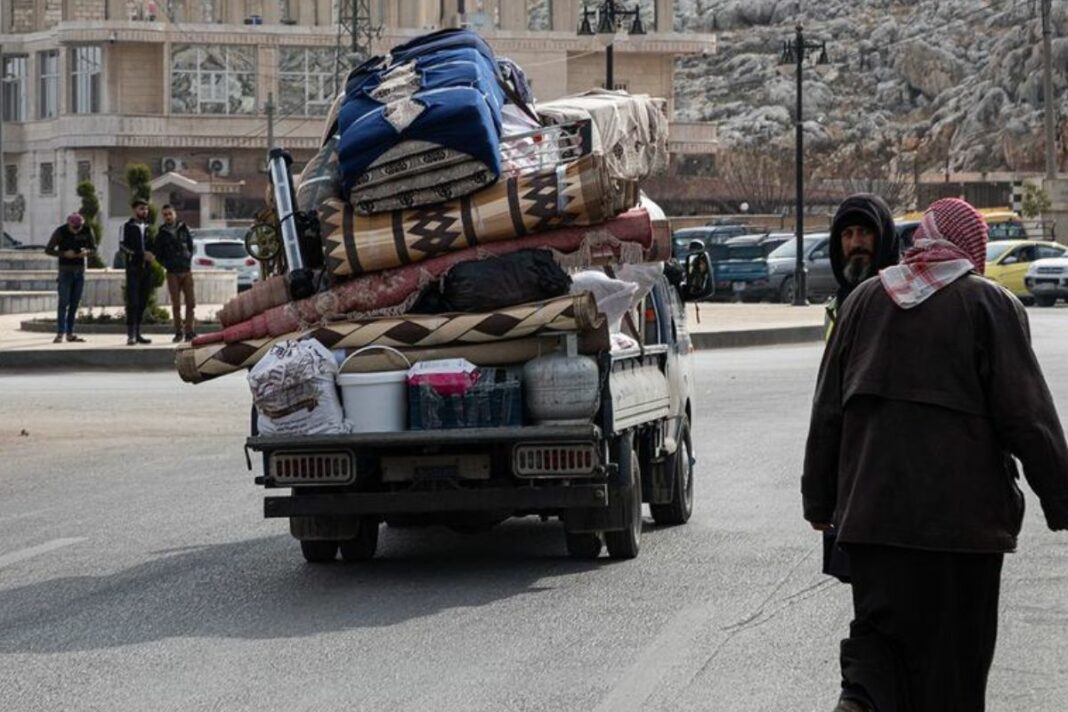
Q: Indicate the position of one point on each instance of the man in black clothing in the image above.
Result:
(174, 245)
(71, 242)
(137, 245)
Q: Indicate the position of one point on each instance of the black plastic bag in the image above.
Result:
(494, 283)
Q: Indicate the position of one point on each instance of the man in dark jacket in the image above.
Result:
(927, 390)
(136, 244)
(71, 242)
(174, 248)
(863, 241)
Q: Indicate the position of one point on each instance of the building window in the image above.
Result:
(213, 79)
(85, 67)
(14, 93)
(48, 179)
(85, 171)
(11, 179)
(539, 15)
(48, 84)
(306, 80)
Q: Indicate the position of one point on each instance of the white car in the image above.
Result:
(1047, 279)
(229, 253)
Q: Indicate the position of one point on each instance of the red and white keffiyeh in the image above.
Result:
(949, 243)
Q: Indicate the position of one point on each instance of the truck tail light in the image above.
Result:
(556, 460)
(205, 262)
(249, 262)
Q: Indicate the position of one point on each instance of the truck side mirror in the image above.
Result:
(699, 281)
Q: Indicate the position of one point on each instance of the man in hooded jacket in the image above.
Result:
(863, 241)
(928, 389)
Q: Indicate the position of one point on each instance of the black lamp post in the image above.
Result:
(794, 52)
(610, 18)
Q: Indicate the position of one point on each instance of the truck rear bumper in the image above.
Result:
(532, 499)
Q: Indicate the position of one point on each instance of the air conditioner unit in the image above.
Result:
(169, 164)
(219, 166)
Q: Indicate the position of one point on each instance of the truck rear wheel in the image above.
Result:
(318, 551)
(364, 546)
(625, 543)
(583, 545)
(679, 509)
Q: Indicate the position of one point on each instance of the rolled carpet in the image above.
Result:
(569, 314)
(573, 194)
(630, 238)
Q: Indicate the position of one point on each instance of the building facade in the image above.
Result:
(186, 87)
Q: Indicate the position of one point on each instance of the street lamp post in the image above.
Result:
(794, 52)
(610, 18)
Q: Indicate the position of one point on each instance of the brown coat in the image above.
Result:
(915, 416)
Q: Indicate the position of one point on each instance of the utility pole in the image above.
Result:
(1049, 100)
(270, 120)
(354, 24)
(3, 166)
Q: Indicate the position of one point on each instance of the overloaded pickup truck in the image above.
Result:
(593, 475)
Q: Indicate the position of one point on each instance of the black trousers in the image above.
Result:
(924, 629)
(138, 287)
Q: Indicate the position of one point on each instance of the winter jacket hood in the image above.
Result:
(866, 209)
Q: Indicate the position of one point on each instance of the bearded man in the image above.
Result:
(927, 391)
(863, 241)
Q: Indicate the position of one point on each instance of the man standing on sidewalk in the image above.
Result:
(174, 246)
(137, 247)
(863, 241)
(71, 242)
(927, 391)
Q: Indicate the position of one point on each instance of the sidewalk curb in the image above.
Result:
(756, 337)
(127, 358)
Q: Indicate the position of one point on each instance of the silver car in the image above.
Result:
(820, 281)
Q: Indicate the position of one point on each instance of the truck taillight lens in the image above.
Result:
(557, 460)
(205, 262)
(250, 262)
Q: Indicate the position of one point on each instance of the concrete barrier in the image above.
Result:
(103, 287)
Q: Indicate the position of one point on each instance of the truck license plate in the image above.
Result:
(738, 286)
(435, 467)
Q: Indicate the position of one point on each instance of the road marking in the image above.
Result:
(17, 556)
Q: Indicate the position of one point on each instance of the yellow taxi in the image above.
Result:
(1007, 262)
(1003, 223)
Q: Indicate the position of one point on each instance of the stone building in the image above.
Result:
(90, 86)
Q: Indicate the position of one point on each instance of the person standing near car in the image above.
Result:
(863, 241)
(136, 245)
(928, 389)
(71, 242)
(174, 246)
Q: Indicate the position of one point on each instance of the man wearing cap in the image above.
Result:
(927, 391)
(136, 245)
(863, 241)
(71, 242)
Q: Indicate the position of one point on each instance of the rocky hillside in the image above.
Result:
(951, 84)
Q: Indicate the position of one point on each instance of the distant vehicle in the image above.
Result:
(1047, 280)
(709, 235)
(1008, 262)
(819, 281)
(740, 271)
(212, 251)
(767, 241)
(1004, 224)
(905, 230)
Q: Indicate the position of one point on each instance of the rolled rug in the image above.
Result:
(569, 314)
(628, 239)
(260, 297)
(573, 194)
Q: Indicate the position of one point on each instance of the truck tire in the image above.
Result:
(364, 546)
(679, 509)
(625, 543)
(1045, 301)
(583, 545)
(318, 551)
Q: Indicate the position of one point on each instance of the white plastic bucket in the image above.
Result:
(375, 402)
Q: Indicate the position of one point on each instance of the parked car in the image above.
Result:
(220, 252)
(9, 243)
(709, 235)
(1004, 224)
(767, 241)
(905, 230)
(819, 281)
(740, 271)
(1008, 261)
(1047, 280)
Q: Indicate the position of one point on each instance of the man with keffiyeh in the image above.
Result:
(927, 391)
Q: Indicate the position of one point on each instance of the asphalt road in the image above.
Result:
(136, 573)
